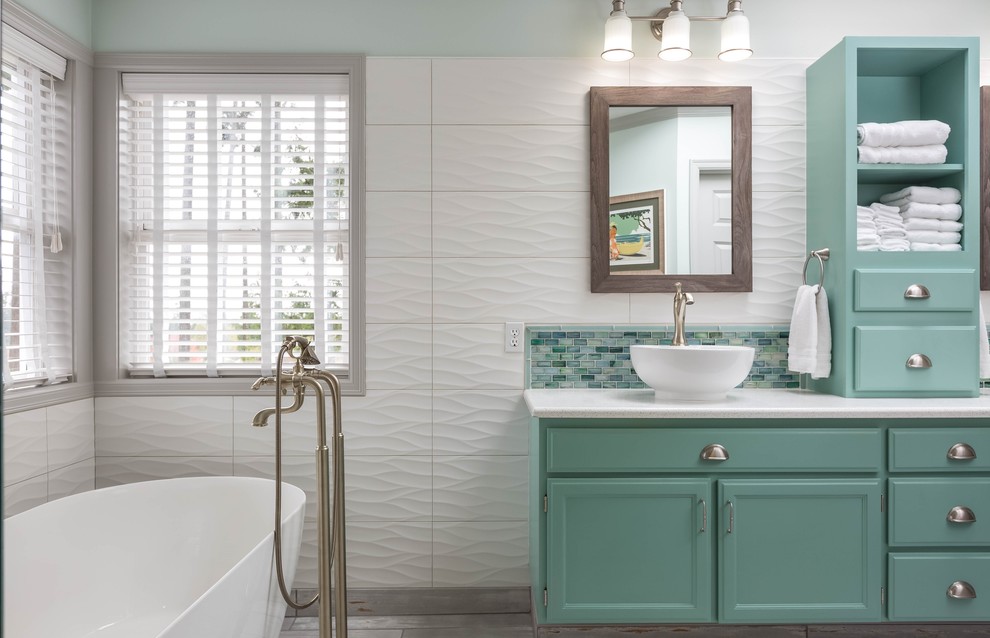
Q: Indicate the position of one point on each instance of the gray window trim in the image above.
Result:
(110, 378)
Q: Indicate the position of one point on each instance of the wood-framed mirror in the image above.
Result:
(671, 188)
(985, 188)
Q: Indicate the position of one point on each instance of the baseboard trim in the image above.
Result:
(875, 630)
(406, 601)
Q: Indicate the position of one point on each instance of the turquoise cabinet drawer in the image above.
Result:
(939, 450)
(589, 450)
(914, 290)
(920, 585)
(949, 363)
(943, 511)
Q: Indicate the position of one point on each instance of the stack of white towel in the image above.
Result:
(880, 227)
(905, 142)
(930, 216)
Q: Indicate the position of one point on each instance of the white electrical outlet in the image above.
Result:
(514, 336)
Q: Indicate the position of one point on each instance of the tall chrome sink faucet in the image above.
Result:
(681, 301)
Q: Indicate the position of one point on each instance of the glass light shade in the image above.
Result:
(675, 44)
(735, 37)
(618, 38)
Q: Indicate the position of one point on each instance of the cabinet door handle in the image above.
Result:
(714, 452)
(918, 361)
(961, 589)
(961, 452)
(960, 514)
(704, 516)
(917, 291)
(732, 516)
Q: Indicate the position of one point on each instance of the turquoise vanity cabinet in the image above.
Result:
(903, 323)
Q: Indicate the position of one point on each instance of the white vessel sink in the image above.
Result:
(692, 373)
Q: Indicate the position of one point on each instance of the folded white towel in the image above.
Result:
(884, 209)
(923, 195)
(950, 212)
(809, 346)
(932, 154)
(933, 237)
(984, 346)
(927, 223)
(917, 245)
(894, 232)
(889, 245)
(903, 133)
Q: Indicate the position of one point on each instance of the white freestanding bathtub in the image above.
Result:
(177, 558)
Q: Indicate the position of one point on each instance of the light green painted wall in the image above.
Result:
(500, 28)
(72, 17)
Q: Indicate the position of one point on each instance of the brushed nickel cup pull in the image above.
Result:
(961, 590)
(918, 361)
(961, 452)
(714, 452)
(960, 514)
(917, 291)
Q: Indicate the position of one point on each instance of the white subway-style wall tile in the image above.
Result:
(511, 224)
(388, 488)
(398, 90)
(534, 290)
(399, 356)
(778, 224)
(483, 422)
(779, 158)
(489, 554)
(510, 158)
(164, 426)
(22, 496)
(119, 470)
(25, 446)
(398, 290)
(398, 158)
(518, 91)
(472, 356)
(389, 554)
(73, 479)
(71, 433)
(480, 488)
(398, 224)
(388, 423)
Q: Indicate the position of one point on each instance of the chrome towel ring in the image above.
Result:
(822, 255)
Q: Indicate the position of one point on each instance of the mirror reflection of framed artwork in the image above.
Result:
(636, 232)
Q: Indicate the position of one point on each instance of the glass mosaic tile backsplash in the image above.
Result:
(598, 356)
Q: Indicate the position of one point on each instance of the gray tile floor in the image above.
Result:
(439, 626)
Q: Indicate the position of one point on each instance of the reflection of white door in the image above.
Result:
(711, 217)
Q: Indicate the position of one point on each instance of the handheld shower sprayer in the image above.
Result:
(307, 357)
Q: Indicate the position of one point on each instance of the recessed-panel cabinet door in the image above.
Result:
(629, 550)
(800, 550)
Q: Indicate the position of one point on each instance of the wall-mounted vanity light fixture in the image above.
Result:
(672, 27)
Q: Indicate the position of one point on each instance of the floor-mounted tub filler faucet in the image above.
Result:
(681, 301)
(329, 493)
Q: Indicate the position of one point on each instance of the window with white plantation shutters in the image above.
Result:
(235, 206)
(35, 220)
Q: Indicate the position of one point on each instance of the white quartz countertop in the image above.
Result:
(744, 403)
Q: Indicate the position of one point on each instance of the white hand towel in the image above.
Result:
(923, 195)
(984, 346)
(802, 342)
(884, 209)
(891, 245)
(917, 245)
(924, 223)
(932, 154)
(933, 237)
(903, 133)
(951, 212)
(823, 353)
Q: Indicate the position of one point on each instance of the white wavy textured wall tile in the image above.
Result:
(518, 91)
(778, 224)
(390, 554)
(398, 224)
(70, 433)
(22, 496)
(119, 470)
(164, 426)
(73, 479)
(398, 290)
(527, 225)
(510, 158)
(480, 488)
(397, 158)
(398, 91)
(779, 158)
(493, 554)
(388, 423)
(480, 422)
(25, 446)
(399, 356)
(388, 488)
(472, 356)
